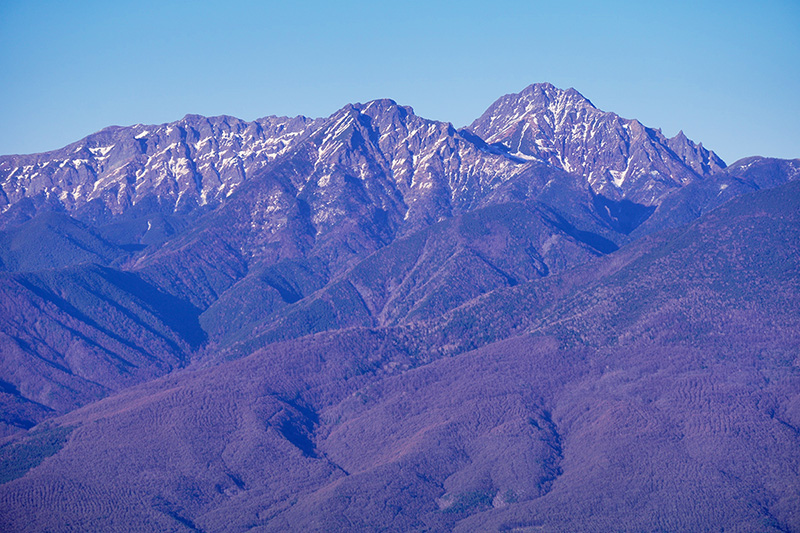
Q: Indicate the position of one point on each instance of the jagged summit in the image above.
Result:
(548, 94)
(620, 158)
(382, 105)
(200, 161)
(534, 100)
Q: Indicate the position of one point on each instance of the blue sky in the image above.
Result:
(727, 73)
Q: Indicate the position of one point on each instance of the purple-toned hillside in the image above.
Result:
(553, 320)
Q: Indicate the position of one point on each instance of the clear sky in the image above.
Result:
(726, 72)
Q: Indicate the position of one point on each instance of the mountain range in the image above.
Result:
(552, 319)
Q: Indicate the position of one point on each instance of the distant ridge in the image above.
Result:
(198, 161)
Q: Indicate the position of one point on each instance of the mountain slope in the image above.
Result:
(647, 399)
(415, 278)
(293, 247)
(54, 240)
(72, 336)
(744, 176)
(178, 166)
(283, 245)
(369, 174)
(320, 195)
(619, 158)
(557, 319)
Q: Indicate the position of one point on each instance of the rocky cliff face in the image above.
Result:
(619, 158)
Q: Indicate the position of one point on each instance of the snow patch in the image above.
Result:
(102, 151)
(201, 142)
(618, 177)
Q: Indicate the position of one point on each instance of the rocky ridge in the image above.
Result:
(198, 162)
(619, 158)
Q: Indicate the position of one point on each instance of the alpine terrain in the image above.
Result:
(553, 319)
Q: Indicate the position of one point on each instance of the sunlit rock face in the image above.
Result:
(619, 158)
